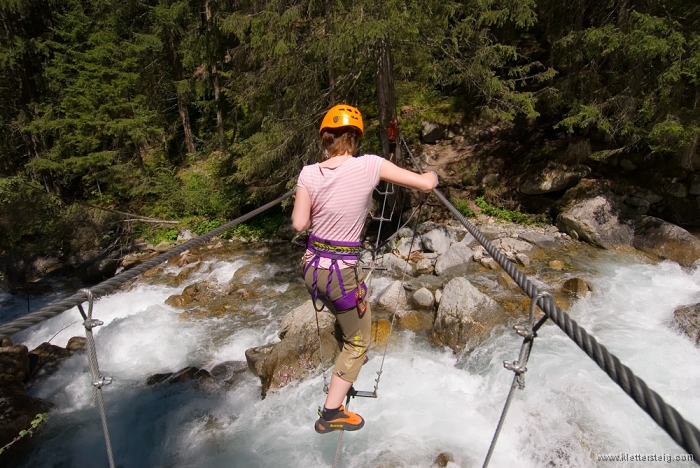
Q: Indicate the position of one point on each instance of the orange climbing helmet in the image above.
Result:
(342, 115)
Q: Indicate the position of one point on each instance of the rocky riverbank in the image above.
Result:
(438, 280)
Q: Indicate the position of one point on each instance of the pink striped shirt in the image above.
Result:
(340, 198)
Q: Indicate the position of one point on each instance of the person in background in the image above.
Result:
(334, 197)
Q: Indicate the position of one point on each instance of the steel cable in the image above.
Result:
(680, 430)
(34, 318)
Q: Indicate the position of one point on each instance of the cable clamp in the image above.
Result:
(89, 324)
(102, 382)
(525, 332)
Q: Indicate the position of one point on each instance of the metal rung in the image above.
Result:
(365, 394)
(379, 218)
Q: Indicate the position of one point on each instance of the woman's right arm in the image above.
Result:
(392, 173)
(301, 215)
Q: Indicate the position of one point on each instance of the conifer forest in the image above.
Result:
(195, 111)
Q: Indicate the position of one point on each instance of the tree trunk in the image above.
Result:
(386, 98)
(181, 99)
(623, 15)
(329, 57)
(215, 84)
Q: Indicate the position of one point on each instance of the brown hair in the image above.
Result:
(339, 141)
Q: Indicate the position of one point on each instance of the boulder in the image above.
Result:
(395, 265)
(465, 317)
(438, 240)
(553, 178)
(303, 318)
(423, 298)
(47, 358)
(576, 287)
(666, 240)
(296, 355)
(688, 319)
(431, 132)
(510, 246)
(406, 246)
(393, 297)
(594, 216)
(457, 255)
(541, 240)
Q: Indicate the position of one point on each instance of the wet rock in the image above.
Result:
(553, 178)
(303, 318)
(505, 281)
(156, 379)
(178, 300)
(666, 240)
(295, 356)
(228, 372)
(522, 259)
(423, 298)
(556, 265)
(465, 317)
(380, 332)
(490, 263)
(456, 256)
(443, 459)
(76, 344)
(47, 358)
(14, 362)
(438, 240)
(688, 319)
(155, 271)
(133, 259)
(414, 320)
(541, 240)
(393, 297)
(576, 287)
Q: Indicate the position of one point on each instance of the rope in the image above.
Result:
(29, 320)
(518, 367)
(670, 420)
(98, 381)
(393, 316)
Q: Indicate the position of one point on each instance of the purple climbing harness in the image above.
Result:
(343, 251)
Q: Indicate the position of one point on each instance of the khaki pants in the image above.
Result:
(356, 331)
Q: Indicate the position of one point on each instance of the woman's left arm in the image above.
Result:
(301, 215)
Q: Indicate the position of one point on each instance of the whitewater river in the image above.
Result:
(430, 401)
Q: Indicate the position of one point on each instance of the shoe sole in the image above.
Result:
(324, 427)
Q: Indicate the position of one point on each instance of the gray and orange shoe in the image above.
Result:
(342, 420)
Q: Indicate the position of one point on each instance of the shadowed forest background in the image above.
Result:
(196, 111)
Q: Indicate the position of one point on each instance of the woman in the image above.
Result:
(335, 196)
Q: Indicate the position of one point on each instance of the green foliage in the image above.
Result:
(463, 207)
(38, 419)
(506, 215)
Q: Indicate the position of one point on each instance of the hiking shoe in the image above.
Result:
(342, 421)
